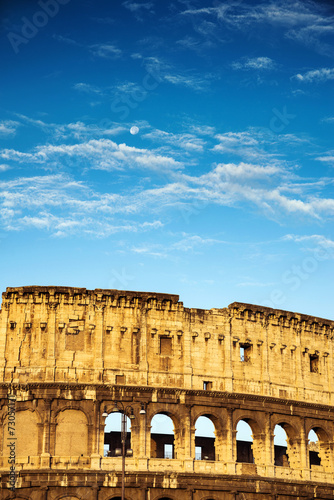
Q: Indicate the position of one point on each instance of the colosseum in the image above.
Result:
(72, 360)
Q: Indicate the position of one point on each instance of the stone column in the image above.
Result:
(304, 459)
(269, 447)
(228, 371)
(98, 342)
(187, 340)
(45, 455)
(230, 447)
(98, 436)
(3, 329)
(143, 364)
(188, 440)
(51, 353)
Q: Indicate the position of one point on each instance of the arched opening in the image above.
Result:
(162, 436)
(244, 442)
(280, 446)
(204, 439)
(113, 435)
(313, 448)
(118, 498)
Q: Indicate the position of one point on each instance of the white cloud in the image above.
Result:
(195, 83)
(8, 128)
(87, 88)
(260, 63)
(316, 75)
(304, 22)
(66, 40)
(326, 159)
(246, 171)
(105, 51)
(102, 154)
(189, 142)
(190, 242)
(136, 7)
(328, 119)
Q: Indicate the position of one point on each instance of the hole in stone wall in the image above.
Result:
(162, 437)
(245, 352)
(314, 363)
(313, 447)
(207, 386)
(204, 439)
(280, 447)
(112, 434)
(244, 442)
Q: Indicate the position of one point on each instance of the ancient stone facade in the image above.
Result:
(67, 354)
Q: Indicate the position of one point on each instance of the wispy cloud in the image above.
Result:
(255, 63)
(165, 72)
(137, 8)
(187, 243)
(304, 22)
(316, 75)
(67, 40)
(43, 202)
(329, 158)
(101, 154)
(328, 119)
(87, 88)
(189, 142)
(77, 130)
(8, 128)
(105, 51)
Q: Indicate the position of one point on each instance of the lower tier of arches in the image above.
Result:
(160, 486)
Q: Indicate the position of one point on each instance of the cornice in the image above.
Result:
(167, 390)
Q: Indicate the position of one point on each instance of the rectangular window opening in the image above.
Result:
(207, 386)
(245, 352)
(314, 363)
(168, 451)
(198, 452)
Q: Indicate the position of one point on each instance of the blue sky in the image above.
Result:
(182, 147)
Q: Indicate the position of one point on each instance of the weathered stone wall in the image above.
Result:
(67, 354)
(75, 335)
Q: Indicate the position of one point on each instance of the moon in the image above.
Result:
(134, 130)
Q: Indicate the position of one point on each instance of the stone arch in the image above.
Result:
(176, 419)
(244, 445)
(66, 497)
(207, 444)
(117, 497)
(169, 497)
(258, 436)
(162, 443)
(164, 410)
(215, 417)
(27, 431)
(71, 433)
(293, 448)
(113, 433)
(71, 406)
(322, 455)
